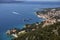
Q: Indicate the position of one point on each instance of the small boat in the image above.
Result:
(15, 12)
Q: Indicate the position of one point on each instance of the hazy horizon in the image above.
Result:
(30, 0)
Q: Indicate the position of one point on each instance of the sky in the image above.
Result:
(29, 0)
(37, 0)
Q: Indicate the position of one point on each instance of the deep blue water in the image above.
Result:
(10, 20)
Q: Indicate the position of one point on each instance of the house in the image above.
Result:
(21, 32)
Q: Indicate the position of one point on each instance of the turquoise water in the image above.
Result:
(10, 20)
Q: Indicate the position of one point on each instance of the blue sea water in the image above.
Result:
(9, 20)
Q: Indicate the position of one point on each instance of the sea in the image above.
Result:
(12, 15)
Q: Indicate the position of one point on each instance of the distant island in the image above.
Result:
(30, 2)
(11, 1)
(48, 29)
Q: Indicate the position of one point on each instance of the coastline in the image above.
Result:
(45, 14)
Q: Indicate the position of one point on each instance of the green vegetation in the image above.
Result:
(50, 32)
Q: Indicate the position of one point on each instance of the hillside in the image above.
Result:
(50, 32)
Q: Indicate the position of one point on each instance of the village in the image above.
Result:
(51, 15)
